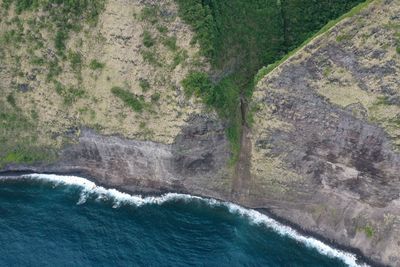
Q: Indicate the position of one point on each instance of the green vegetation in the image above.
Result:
(75, 59)
(162, 29)
(170, 42)
(53, 69)
(65, 15)
(343, 37)
(96, 65)
(26, 155)
(11, 100)
(151, 57)
(148, 40)
(155, 97)
(179, 57)
(62, 18)
(21, 148)
(240, 37)
(150, 14)
(144, 84)
(222, 97)
(134, 102)
(368, 230)
(69, 94)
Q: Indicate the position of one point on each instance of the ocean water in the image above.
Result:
(49, 220)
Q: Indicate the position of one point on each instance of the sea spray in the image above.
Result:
(89, 189)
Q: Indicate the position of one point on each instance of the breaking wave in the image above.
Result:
(90, 190)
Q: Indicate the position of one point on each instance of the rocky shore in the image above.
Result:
(198, 164)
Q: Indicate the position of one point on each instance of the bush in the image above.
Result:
(75, 59)
(151, 57)
(96, 65)
(59, 41)
(155, 97)
(179, 57)
(69, 94)
(54, 70)
(148, 41)
(170, 42)
(150, 14)
(162, 29)
(144, 84)
(197, 83)
(131, 100)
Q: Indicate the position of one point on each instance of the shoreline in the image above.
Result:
(156, 193)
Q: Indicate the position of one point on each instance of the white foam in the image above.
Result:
(100, 193)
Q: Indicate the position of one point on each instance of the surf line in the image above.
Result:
(90, 189)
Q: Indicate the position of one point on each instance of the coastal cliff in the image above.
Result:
(319, 146)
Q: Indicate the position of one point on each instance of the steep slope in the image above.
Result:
(325, 138)
(239, 37)
(103, 98)
(120, 74)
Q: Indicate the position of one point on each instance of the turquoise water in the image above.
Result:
(68, 221)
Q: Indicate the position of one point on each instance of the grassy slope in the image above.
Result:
(59, 69)
(19, 134)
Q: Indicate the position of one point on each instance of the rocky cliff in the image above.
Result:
(321, 153)
(325, 137)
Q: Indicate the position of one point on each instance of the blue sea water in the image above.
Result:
(48, 220)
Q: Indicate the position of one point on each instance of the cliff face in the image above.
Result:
(322, 151)
(326, 133)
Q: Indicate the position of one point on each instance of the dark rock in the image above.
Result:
(23, 87)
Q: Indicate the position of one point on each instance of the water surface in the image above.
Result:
(48, 220)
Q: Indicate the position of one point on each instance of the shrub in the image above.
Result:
(150, 14)
(69, 94)
(162, 29)
(155, 97)
(35, 60)
(369, 231)
(128, 98)
(170, 42)
(197, 83)
(343, 37)
(148, 40)
(59, 41)
(96, 65)
(144, 84)
(75, 59)
(11, 100)
(151, 57)
(179, 57)
(54, 70)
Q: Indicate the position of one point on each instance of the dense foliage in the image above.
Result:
(240, 37)
(128, 98)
